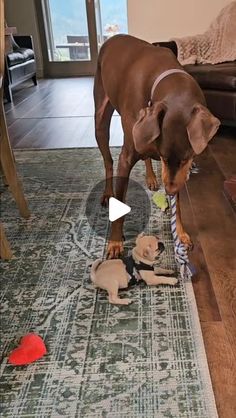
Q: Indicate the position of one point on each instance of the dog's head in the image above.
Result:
(176, 135)
(148, 248)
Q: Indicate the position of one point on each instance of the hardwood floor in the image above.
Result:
(59, 113)
(56, 114)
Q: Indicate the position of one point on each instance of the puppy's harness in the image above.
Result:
(133, 268)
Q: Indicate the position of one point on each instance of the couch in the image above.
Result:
(20, 64)
(218, 83)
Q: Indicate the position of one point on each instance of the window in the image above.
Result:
(67, 26)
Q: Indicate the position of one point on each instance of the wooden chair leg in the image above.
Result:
(5, 250)
(9, 168)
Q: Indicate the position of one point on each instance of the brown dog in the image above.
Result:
(112, 275)
(163, 115)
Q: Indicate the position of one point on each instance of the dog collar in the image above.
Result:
(160, 78)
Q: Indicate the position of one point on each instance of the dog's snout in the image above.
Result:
(161, 247)
(171, 188)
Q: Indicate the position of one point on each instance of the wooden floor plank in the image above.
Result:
(222, 367)
(58, 132)
(19, 107)
(225, 155)
(18, 130)
(206, 300)
(216, 225)
(230, 190)
(55, 133)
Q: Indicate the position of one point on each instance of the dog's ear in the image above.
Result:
(141, 235)
(146, 251)
(201, 128)
(148, 127)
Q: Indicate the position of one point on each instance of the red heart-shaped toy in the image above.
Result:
(31, 348)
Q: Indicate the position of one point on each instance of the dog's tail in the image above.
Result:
(94, 267)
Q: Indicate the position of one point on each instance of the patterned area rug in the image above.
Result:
(142, 360)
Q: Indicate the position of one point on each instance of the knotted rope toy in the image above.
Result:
(181, 254)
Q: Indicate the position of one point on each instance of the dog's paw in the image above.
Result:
(161, 271)
(114, 249)
(105, 199)
(186, 240)
(126, 301)
(172, 281)
(115, 300)
(151, 182)
(170, 272)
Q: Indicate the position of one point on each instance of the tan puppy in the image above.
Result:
(112, 275)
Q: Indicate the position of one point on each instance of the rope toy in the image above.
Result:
(181, 255)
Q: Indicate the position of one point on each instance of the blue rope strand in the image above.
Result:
(181, 255)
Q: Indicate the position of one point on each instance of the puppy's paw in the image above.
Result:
(172, 281)
(170, 272)
(126, 301)
(186, 240)
(114, 249)
(115, 300)
(161, 271)
(151, 182)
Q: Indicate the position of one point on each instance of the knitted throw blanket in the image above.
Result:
(217, 44)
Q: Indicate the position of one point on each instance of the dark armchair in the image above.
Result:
(20, 64)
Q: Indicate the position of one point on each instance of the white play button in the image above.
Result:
(117, 209)
(136, 219)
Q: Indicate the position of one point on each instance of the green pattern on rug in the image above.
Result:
(142, 360)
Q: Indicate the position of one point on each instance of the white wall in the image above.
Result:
(22, 14)
(160, 20)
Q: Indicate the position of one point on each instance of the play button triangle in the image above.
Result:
(117, 209)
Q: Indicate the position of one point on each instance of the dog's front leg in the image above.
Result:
(151, 178)
(164, 272)
(183, 236)
(127, 160)
(152, 280)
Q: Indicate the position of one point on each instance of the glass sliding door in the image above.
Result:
(74, 30)
(68, 35)
(111, 18)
